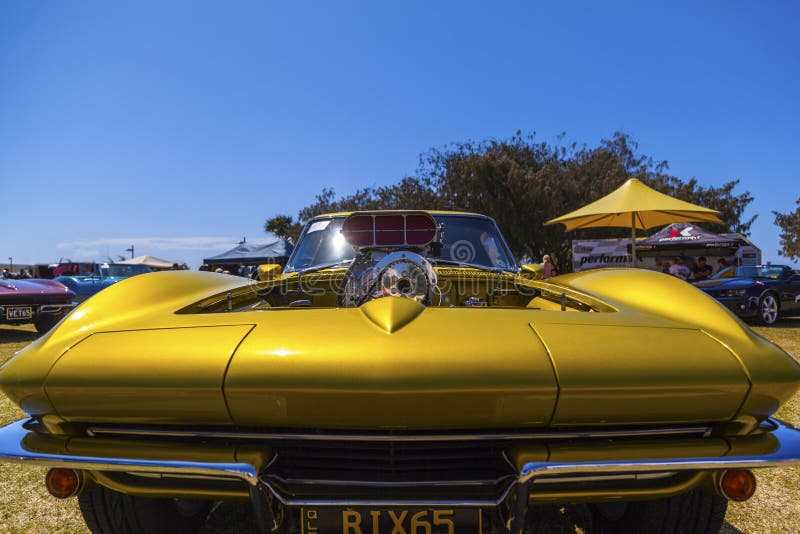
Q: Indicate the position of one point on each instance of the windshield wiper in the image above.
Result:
(463, 265)
(315, 268)
(448, 262)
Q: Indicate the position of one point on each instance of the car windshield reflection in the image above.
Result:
(123, 271)
(467, 240)
(752, 271)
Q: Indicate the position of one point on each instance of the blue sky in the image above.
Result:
(180, 128)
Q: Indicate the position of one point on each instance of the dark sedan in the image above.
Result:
(41, 302)
(760, 292)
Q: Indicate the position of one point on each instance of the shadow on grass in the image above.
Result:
(230, 517)
(9, 335)
(787, 322)
(727, 528)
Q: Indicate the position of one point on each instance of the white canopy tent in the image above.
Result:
(150, 261)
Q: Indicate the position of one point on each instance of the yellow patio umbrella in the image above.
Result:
(636, 206)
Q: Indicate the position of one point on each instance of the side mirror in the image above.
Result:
(532, 271)
(269, 271)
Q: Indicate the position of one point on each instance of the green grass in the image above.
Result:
(25, 506)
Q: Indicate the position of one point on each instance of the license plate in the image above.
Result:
(19, 312)
(366, 520)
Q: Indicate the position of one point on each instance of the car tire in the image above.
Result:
(46, 323)
(106, 511)
(769, 307)
(693, 512)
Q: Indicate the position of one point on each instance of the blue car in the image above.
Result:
(106, 275)
(758, 292)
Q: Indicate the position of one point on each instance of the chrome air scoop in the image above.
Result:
(389, 260)
(396, 274)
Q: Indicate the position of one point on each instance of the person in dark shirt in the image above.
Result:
(702, 270)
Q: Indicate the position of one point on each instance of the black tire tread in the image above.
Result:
(693, 512)
(109, 512)
(719, 506)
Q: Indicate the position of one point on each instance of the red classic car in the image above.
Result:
(41, 302)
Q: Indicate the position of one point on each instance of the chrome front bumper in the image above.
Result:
(776, 444)
(19, 445)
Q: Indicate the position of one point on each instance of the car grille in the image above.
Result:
(391, 461)
(440, 471)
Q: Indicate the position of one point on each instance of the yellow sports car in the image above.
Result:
(402, 374)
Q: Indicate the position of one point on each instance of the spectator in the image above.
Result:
(721, 264)
(702, 270)
(25, 274)
(679, 269)
(665, 267)
(548, 267)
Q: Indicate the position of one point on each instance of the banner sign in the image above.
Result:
(597, 253)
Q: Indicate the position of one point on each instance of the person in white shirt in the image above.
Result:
(679, 269)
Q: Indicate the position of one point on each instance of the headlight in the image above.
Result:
(734, 293)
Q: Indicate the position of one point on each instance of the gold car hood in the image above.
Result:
(392, 363)
(502, 368)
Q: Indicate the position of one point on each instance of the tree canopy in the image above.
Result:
(522, 183)
(789, 223)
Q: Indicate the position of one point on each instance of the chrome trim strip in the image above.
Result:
(55, 308)
(554, 435)
(604, 478)
(13, 450)
(786, 452)
(290, 501)
(373, 484)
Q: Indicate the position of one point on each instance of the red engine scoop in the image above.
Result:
(392, 229)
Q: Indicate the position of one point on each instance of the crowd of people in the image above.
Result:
(246, 271)
(23, 273)
(702, 270)
(679, 267)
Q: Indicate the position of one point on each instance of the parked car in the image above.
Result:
(105, 275)
(66, 268)
(401, 373)
(41, 302)
(759, 292)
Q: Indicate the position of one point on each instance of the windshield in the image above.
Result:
(123, 270)
(751, 271)
(467, 240)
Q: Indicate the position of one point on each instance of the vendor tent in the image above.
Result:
(636, 206)
(150, 261)
(688, 238)
(277, 251)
